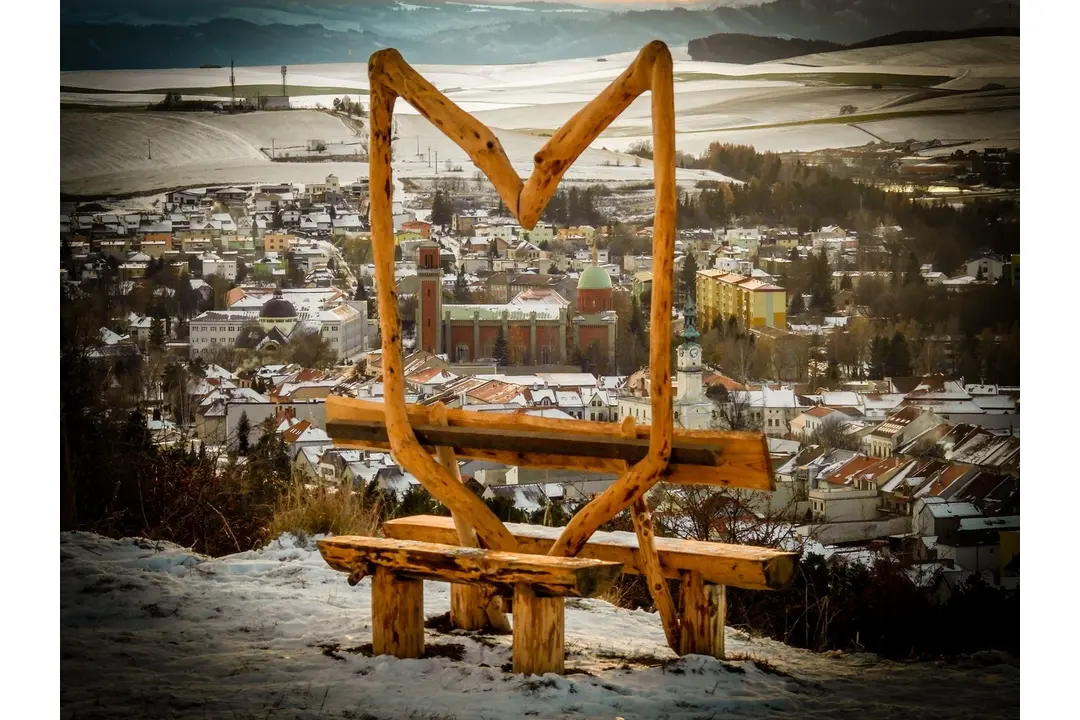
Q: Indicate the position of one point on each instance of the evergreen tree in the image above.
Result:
(157, 334)
(243, 433)
(913, 271)
(688, 279)
(441, 211)
(637, 320)
(879, 358)
(397, 253)
(797, 306)
(502, 350)
(821, 291)
(461, 287)
(361, 291)
(899, 357)
(845, 282)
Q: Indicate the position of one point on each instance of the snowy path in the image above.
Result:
(152, 630)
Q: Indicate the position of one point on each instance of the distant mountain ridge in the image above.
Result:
(132, 34)
(743, 49)
(749, 49)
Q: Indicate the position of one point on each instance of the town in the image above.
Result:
(224, 317)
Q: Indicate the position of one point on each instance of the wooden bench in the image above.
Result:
(703, 569)
(428, 440)
(539, 584)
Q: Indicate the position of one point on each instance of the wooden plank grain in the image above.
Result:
(569, 577)
(742, 458)
(742, 566)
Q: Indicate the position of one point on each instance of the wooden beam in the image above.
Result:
(742, 566)
(557, 576)
(524, 441)
(539, 632)
(702, 611)
(385, 88)
(656, 65)
(471, 607)
(388, 68)
(743, 456)
(397, 615)
(649, 561)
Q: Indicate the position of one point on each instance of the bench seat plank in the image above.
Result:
(743, 566)
(557, 576)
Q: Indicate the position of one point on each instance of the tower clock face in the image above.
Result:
(695, 354)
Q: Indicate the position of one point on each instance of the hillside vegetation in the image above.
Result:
(743, 49)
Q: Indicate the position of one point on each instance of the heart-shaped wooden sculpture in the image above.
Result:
(390, 78)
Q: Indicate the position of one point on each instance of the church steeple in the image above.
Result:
(689, 332)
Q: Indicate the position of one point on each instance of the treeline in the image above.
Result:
(789, 193)
(576, 206)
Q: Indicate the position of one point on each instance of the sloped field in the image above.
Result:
(923, 91)
(105, 153)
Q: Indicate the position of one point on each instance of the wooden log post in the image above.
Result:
(472, 607)
(653, 64)
(388, 77)
(703, 608)
(539, 632)
(397, 615)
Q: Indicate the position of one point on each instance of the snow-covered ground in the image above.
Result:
(715, 102)
(107, 152)
(153, 630)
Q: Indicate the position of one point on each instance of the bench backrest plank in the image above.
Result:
(719, 458)
(559, 576)
(742, 566)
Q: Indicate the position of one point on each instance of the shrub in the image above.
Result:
(321, 509)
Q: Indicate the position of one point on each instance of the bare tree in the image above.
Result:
(834, 434)
(733, 410)
(727, 515)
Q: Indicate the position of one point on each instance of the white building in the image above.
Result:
(215, 265)
(987, 267)
(748, 238)
(271, 316)
(218, 329)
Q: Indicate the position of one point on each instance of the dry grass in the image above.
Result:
(322, 509)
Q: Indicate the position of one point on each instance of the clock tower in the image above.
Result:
(693, 409)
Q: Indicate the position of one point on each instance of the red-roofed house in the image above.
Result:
(808, 422)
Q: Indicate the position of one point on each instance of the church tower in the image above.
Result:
(429, 298)
(693, 410)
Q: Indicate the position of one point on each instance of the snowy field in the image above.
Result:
(781, 106)
(106, 153)
(152, 630)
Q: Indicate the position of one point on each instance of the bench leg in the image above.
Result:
(397, 615)
(539, 645)
(467, 611)
(703, 609)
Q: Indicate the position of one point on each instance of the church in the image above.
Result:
(540, 326)
(693, 409)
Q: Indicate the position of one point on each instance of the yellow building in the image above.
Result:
(406, 235)
(753, 302)
(642, 283)
(278, 242)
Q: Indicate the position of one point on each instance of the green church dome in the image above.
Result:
(594, 278)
